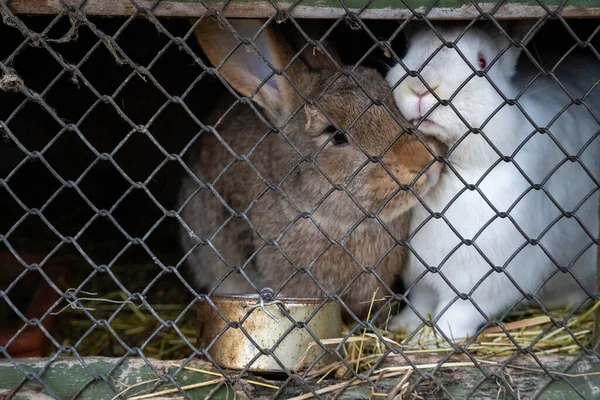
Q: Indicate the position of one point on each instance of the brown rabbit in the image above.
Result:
(298, 209)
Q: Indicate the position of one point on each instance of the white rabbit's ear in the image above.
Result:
(521, 31)
(250, 68)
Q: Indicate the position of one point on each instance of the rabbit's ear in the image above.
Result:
(251, 68)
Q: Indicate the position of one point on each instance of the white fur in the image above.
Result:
(500, 243)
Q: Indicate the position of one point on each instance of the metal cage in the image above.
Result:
(125, 182)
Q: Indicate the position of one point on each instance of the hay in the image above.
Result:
(531, 329)
(134, 324)
(131, 327)
(535, 332)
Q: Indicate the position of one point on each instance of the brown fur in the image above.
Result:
(276, 245)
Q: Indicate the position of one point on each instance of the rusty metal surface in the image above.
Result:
(233, 347)
(264, 9)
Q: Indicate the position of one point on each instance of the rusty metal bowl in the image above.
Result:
(266, 322)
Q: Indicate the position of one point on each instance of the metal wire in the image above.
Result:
(110, 45)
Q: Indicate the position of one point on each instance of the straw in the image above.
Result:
(175, 390)
(257, 383)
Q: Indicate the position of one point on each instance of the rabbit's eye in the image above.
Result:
(481, 61)
(339, 139)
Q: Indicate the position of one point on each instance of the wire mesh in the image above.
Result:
(303, 180)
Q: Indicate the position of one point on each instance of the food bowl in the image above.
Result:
(231, 334)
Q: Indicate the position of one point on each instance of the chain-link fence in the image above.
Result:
(408, 207)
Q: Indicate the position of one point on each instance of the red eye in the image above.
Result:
(481, 61)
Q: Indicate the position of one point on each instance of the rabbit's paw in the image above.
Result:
(405, 321)
(461, 321)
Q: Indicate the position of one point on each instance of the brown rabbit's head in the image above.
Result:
(341, 150)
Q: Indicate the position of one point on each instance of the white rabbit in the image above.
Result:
(487, 207)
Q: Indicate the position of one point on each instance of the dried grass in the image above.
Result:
(526, 329)
(130, 321)
(530, 329)
(134, 324)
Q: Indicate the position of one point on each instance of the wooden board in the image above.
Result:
(376, 9)
(67, 377)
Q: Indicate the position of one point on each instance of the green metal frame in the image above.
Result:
(69, 379)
